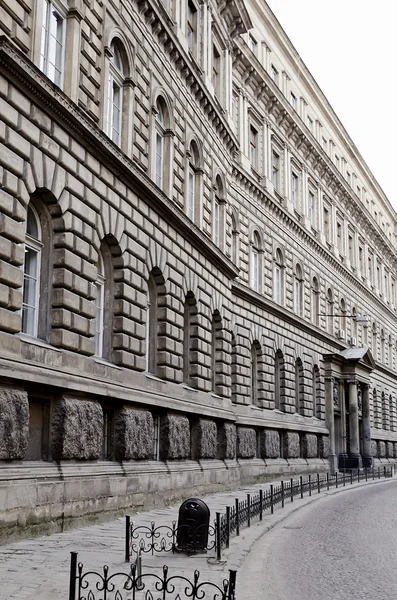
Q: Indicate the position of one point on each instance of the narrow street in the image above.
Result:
(341, 547)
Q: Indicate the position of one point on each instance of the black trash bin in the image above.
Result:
(193, 526)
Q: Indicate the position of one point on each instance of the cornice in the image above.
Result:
(296, 132)
(157, 19)
(274, 205)
(30, 80)
(256, 299)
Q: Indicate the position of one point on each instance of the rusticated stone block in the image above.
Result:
(270, 444)
(323, 446)
(227, 437)
(309, 445)
(246, 442)
(133, 434)
(381, 449)
(291, 444)
(204, 439)
(389, 450)
(374, 448)
(14, 423)
(76, 429)
(174, 437)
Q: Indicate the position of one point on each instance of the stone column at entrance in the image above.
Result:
(329, 418)
(367, 454)
(354, 461)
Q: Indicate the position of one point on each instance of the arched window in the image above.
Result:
(255, 358)
(382, 345)
(375, 411)
(354, 323)
(299, 386)
(193, 203)
(189, 337)
(298, 290)
(385, 420)
(256, 262)
(160, 133)
(342, 307)
(374, 347)
(392, 414)
(279, 380)
(117, 77)
(279, 277)
(218, 219)
(315, 303)
(390, 352)
(100, 306)
(235, 240)
(330, 312)
(31, 273)
(316, 392)
(216, 353)
(234, 368)
(156, 299)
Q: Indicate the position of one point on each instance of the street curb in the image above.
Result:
(236, 559)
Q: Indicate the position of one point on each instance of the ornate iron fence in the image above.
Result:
(132, 585)
(166, 538)
(244, 511)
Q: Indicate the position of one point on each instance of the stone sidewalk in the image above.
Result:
(38, 569)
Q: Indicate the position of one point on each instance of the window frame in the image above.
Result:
(36, 246)
(61, 11)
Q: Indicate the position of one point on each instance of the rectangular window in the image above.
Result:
(310, 123)
(327, 229)
(191, 26)
(274, 74)
(337, 162)
(361, 259)
(108, 434)
(116, 113)
(216, 61)
(253, 147)
(393, 289)
(348, 177)
(275, 170)
(253, 45)
(52, 43)
(325, 144)
(386, 286)
(351, 250)
(311, 208)
(370, 273)
(100, 310)
(339, 238)
(292, 100)
(277, 282)
(294, 189)
(378, 282)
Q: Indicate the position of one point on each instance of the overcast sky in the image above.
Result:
(350, 48)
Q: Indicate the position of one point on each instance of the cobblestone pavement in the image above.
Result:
(341, 547)
(38, 568)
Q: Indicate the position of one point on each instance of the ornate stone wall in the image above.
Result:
(14, 423)
(270, 444)
(204, 439)
(246, 442)
(76, 429)
(134, 434)
(291, 444)
(309, 445)
(381, 449)
(174, 437)
(227, 439)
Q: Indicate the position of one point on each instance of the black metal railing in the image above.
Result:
(133, 585)
(243, 512)
(166, 538)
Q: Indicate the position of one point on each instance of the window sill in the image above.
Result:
(152, 376)
(106, 363)
(37, 342)
(189, 388)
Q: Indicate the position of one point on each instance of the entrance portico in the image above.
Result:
(347, 380)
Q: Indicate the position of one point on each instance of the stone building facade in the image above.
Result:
(197, 268)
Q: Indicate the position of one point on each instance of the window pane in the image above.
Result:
(116, 113)
(191, 195)
(159, 160)
(30, 289)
